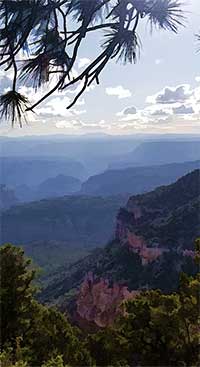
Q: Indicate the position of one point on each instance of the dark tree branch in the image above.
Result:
(57, 52)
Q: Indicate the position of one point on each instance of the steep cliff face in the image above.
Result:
(164, 219)
(154, 242)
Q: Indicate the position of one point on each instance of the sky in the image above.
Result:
(158, 94)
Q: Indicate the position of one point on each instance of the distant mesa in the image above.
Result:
(58, 186)
(29, 171)
(160, 152)
(136, 180)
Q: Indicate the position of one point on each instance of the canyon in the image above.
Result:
(153, 242)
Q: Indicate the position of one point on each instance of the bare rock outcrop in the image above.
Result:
(99, 302)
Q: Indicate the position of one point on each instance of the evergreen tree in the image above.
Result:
(30, 332)
(16, 294)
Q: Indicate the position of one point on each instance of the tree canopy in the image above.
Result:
(29, 330)
(40, 40)
(154, 329)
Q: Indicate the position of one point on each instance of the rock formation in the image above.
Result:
(100, 302)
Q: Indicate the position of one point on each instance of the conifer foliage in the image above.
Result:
(41, 39)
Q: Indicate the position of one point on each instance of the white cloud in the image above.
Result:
(56, 106)
(171, 115)
(74, 124)
(139, 116)
(180, 100)
(78, 112)
(80, 102)
(173, 109)
(197, 79)
(75, 89)
(83, 62)
(158, 61)
(159, 113)
(118, 91)
(130, 110)
(183, 110)
(6, 74)
(5, 80)
(170, 95)
(102, 123)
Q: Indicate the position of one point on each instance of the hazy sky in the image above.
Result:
(161, 93)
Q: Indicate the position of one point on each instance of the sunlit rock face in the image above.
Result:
(138, 245)
(99, 302)
(126, 222)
